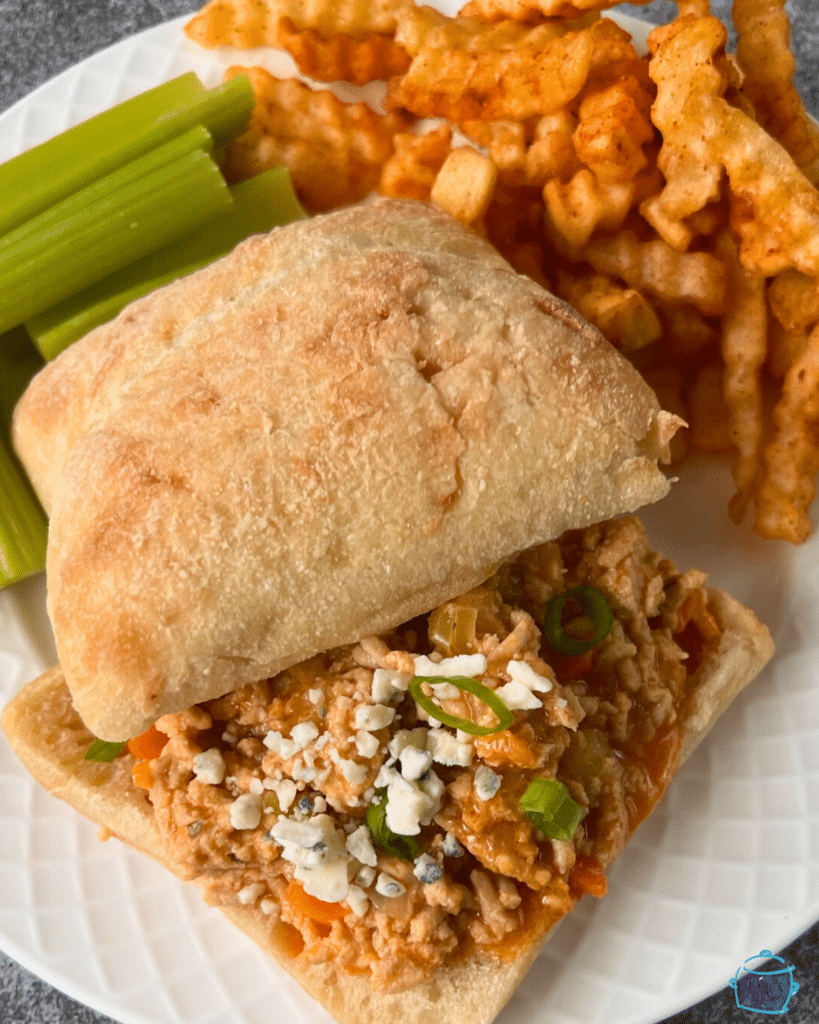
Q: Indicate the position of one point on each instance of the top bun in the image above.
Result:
(336, 427)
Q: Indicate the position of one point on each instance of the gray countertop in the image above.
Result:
(40, 38)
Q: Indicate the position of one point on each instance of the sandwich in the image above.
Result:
(342, 563)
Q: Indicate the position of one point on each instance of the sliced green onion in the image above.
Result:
(594, 605)
(23, 525)
(259, 204)
(404, 847)
(483, 693)
(42, 176)
(102, 750)
(547, 804)
(92, 243)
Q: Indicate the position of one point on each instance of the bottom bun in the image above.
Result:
(51, 741)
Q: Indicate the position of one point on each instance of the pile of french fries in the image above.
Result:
(669, 197)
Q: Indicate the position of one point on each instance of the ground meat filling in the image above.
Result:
(273, 793)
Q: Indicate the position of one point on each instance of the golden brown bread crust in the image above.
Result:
(333, 429)
(50, 740)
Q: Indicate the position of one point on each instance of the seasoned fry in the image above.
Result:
(530, 153)
(334, 151)
(622, 315)
(791, 457)
(584, 204)
(464, 70)
(613, 127)
(534, 10)
(411, 171)
(685, 72)
(249, 23)
(744, 346)
(708, 412)
(776, 210)
(686, 334)
(763, 53)
(465, 184)
(343, 57)
(794, 300)
(659, 270)
(784, 348)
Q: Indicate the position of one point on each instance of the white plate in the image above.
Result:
(727, 865)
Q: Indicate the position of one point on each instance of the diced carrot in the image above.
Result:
(148, 745)
(570, 668)
(142, 774)
(287, 939)
(310, 906)
(587, 877)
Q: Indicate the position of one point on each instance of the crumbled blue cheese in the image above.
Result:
(406, 738)
(388, 684)
(445, 748)
(357, 900)
(445, 691)
(451, 847)
(427, 869)
(470, 665)
(522, 672)
(286, 793)
(318, 852)
(366, 744)
(388, 886)
(314, 696)
(434, 789)
(359, 845)
(353, 772)
(246, 811)
(486, 782)
(518, 697)
(365, 877)
(279, 745)
(256, 786)
(414, 762)
(303, 734)
(209, 767)
(371, 717)
(250, 893)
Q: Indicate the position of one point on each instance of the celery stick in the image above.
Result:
(43, 175)
(19, 361)
(110, 233)
(259, 204)
(23, 525)
(40, 226)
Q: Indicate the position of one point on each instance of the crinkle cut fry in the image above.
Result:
(683, 68)
(791, 457)
(764, 54)
(342, 57)
(534, 10)
(412, 169)
(334, 151)
(658, 270)
(744, 347)
(541, 75)
(248, 23)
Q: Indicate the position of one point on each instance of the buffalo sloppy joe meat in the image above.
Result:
(264, 794)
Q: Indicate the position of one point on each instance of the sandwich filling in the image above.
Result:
(374, 804)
